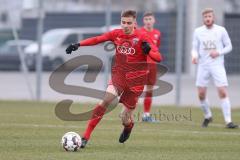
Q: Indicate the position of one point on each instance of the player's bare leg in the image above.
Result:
(147, 104)
(226, 107)
(128, 123)
(202, 93)
(98, 113)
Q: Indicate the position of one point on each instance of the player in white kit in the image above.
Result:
(210, 43)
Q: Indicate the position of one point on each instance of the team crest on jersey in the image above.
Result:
(135, 41)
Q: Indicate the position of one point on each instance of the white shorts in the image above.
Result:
(216, 72)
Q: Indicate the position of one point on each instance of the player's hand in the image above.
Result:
(214, 54)
(72, 47)
(146, 48)
(194, 60)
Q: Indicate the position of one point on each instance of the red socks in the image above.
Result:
(147, 102)
(98, 113)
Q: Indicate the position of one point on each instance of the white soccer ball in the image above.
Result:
(71, 141)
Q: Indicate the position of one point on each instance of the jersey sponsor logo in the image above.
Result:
(135, 41)
(209, 45)
(126, 50)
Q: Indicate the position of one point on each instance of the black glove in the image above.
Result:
(146, 48)
(72, 47)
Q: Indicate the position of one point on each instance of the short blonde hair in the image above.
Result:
(129, 13)
(207, 10)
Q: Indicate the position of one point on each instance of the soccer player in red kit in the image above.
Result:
(132, 49)
(155, 35)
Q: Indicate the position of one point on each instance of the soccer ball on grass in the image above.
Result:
(71, 141)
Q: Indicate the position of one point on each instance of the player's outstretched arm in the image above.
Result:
(151, 49)
(96, 40)
(155, 54)
(89, 42)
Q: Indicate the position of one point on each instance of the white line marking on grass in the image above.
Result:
(190, 123)
(39, 125)
(203, 132)
(141, 129)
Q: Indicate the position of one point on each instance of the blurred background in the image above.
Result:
(35, 33)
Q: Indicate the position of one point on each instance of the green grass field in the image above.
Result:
(31, 131)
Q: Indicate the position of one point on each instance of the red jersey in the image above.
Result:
(155, 36)
(128, 48)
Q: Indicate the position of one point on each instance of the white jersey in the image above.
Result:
(205, 40)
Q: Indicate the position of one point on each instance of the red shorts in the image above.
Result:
(129, 87)
(152, 74)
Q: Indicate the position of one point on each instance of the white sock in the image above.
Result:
(206, 109)
(146, 114)
(226, 109)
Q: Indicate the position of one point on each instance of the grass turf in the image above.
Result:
(31, 131)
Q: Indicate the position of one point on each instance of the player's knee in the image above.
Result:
(104, 103)
(201, 95)
(222, 94)
(149, 88)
